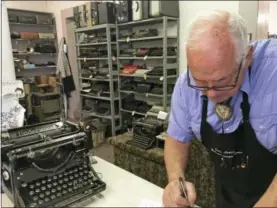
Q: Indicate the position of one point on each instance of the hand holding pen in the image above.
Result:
(175, 197)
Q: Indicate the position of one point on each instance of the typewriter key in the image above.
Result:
(43, 181)
(65, 174)
(53, 190)
(75, 170)
(70, 172)
(64, 186)
(59, 194)
(70, 183)
(64, 192)
(35, 198)
(81, 173)
(49, 180)
(85, 166)
(33, 204)
(85, 177)
(43, 188)
(80, 168)
(59, 188)
(53, 197)
(31, 193)
(76, 175)
(41, 195)
(71, 177)
(65, 179)
(60, 175)
(60, 181)
(49, 185)
(47, 193)
(31, 186)
(75, 187)
(55, 177)
(55, 184)
(86, 171)
(24, 185)
(46, 199)
(37, 190)
(40, 202)
(70, 189)
(37, 183)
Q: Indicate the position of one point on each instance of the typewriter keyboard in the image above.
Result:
(73, 183)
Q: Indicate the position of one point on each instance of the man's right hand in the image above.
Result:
(172, 195)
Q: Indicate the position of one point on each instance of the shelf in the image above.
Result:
(133, 112)
(26, 24)
(84, 59)
(95, 27)
(144, 94)
(145, 76)
(98, 97)
(89, 113)
(38, 67)
(146, 21)
(97, 79)
(33, 54)
(33, 39)
(93, 44)
(127, 40)
(145, 57)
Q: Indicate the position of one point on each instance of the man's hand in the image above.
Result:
(269, 199)
(172, 195)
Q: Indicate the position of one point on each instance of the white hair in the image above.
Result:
(199, 27)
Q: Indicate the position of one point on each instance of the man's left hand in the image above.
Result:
(269, 199)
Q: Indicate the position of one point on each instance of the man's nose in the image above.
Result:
(212, 93)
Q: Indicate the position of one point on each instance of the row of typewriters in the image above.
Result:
(94, 13)
(50, 165)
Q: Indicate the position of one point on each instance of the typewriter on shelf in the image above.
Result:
(48, 165)
(145, 131)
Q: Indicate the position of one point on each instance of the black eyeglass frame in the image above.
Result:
(226, 88)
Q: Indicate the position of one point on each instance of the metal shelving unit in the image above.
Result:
(112, 78)
(164, 37)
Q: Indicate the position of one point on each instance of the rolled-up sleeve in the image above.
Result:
(179, 125)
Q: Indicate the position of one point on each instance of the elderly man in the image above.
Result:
(227, 98)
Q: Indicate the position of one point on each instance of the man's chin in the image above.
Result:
(219, 100)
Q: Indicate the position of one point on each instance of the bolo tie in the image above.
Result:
(224, 111)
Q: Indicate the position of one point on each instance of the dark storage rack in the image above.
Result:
(23, 43)
(110, 80)
(164, 40)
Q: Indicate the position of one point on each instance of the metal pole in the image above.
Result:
(118, 76)
(165, 63)
(108, 33)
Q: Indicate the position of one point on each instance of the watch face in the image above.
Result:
(224, 112)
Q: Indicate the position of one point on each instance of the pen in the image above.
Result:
(184, 191)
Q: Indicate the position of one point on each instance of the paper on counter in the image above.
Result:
(149, 203)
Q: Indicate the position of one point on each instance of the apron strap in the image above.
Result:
(245, 107)
(204, 110)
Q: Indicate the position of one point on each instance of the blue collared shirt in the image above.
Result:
(261, 87)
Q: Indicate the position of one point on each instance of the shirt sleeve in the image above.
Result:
(179, 125)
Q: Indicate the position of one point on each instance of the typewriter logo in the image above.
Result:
(33, 131)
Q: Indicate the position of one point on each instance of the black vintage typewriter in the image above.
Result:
(48, 165)
(145, 131)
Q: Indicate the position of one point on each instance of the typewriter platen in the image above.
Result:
(48, 165)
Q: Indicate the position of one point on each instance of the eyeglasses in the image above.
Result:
(224, 88)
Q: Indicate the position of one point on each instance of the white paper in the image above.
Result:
(162, 115)
(149, 203)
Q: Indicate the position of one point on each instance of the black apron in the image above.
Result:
(244, 168)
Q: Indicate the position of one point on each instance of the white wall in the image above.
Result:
(272, 27)
(56, 7)
(27, 5)
(188, 10)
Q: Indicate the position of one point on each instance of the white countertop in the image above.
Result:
(124, 189)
